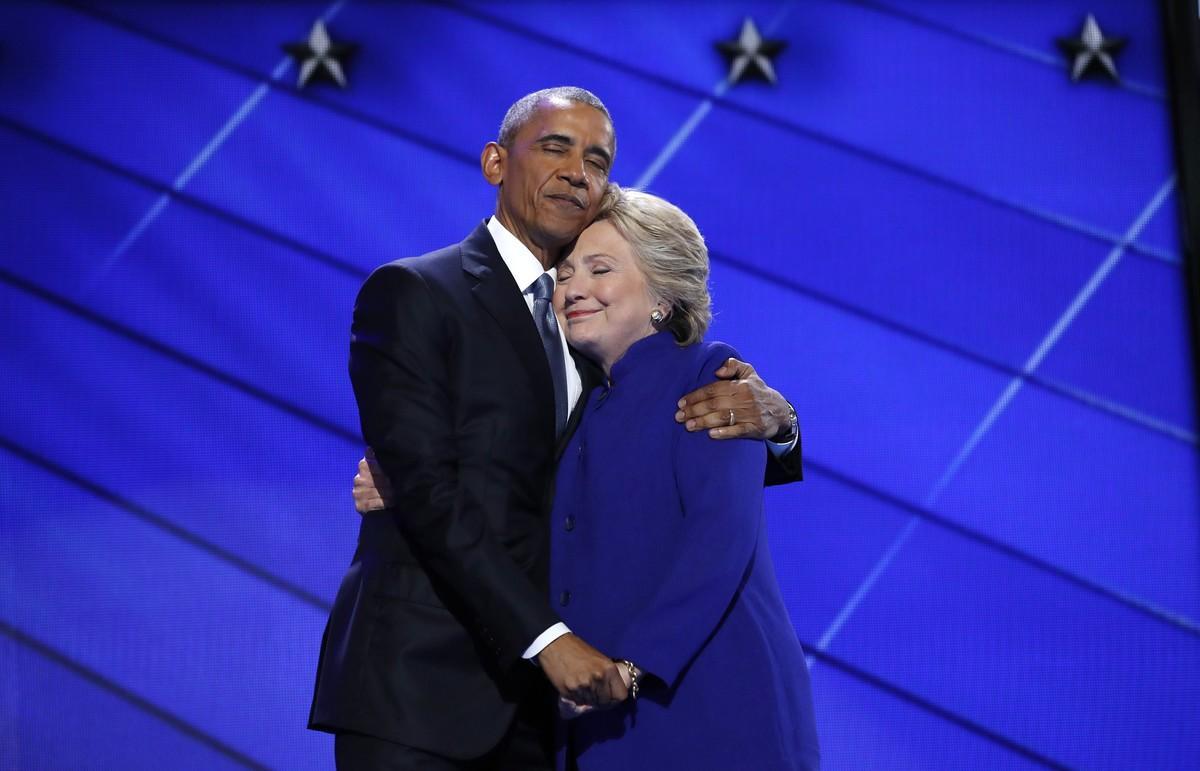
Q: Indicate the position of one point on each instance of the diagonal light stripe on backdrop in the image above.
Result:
(684, 132)
(1010, 391)
(999, 44)
(1051, 339)
(1123, 411)
(210, 148)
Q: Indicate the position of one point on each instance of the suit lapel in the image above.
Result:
(498, 293)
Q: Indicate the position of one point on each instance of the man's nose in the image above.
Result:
(574, 172)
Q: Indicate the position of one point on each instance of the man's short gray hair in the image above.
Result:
(522, 110)
(672, 254)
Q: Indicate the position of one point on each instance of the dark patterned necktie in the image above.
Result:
(547, 326)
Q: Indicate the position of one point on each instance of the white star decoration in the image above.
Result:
(1091, 51)
(320, 57)
(750, 53)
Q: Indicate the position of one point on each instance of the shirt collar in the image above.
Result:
(524, 267)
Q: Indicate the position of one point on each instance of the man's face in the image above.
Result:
(554, 174)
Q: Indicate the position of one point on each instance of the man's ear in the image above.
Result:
(492, 161)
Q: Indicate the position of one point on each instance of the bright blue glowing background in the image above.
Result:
(963, 269)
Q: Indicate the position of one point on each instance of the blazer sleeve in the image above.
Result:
(405, 394)
(720, 487)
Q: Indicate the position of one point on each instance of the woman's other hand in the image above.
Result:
(569, 710)
(372, 491)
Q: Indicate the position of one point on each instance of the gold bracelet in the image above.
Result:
(633, 678)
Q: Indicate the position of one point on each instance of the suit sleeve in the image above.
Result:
(785, 468)
(720, 486)
(400, 369)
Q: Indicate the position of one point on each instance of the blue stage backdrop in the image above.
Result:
(962, 267)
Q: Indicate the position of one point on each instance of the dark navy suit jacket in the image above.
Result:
(447, 589)
(659, 555)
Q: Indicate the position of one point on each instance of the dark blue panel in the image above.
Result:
(246, 33)
(1101, 497)
(491, 69)
(355, 192)
(222, 651)
(1029, 655)
(56, 719)
(824, 538)
(226, 467)
(1136, 325)
(659, 39)
(1035, 26)
(62, 212)
(872, 402)
(978, 116)
(389, 76)
(877, 238)
(861, 726)
(1162, 231)
(110, 92)
(242, 303)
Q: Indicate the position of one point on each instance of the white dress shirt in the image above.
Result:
(526, 270)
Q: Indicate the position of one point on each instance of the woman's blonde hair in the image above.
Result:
(672, 253)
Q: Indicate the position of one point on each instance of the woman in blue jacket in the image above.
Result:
(659, 552)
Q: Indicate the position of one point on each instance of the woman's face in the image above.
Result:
(601, 298)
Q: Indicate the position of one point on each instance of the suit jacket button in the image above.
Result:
(564, 599)
(569, 523)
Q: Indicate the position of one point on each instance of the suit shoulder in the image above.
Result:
(393, 280)
(416, 273)
(437, 262)
(423, 264)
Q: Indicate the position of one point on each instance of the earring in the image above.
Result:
(657, 316)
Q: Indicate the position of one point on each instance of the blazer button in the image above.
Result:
(564, 599)
(569, 523)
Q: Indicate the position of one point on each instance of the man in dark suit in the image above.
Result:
(442, 649)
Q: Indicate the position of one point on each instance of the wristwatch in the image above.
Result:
(793, 427)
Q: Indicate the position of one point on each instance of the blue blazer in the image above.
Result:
(659, 555)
